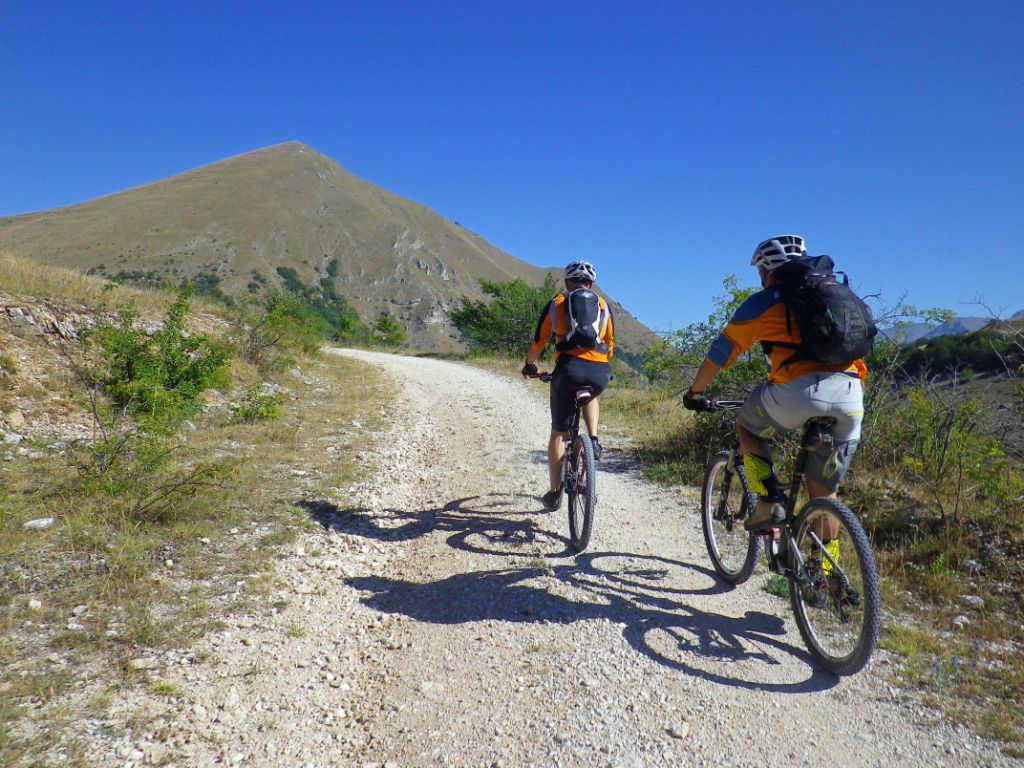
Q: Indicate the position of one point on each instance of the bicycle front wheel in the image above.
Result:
(581, 490)
(835, 592)
(724, 505)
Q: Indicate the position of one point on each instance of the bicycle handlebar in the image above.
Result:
(543, 376)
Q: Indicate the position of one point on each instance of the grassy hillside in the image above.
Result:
(232, 224)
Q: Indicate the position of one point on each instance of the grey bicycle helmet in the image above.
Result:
(776, 251)
(581, 270)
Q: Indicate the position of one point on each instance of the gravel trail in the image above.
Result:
(440, 619)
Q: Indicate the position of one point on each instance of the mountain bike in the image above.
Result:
(579, 474)
(822, 551)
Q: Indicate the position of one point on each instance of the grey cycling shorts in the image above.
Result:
(773, 409)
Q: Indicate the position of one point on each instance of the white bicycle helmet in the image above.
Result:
(581, 270)
(776, 251)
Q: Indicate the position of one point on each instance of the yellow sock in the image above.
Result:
(758, 470)
(832, 548)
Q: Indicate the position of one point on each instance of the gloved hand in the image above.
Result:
(530, 369)
(695, 401)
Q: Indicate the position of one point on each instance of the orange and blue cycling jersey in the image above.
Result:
(555, 320)
(762, 317)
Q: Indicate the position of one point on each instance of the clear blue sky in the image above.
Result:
(660, 140)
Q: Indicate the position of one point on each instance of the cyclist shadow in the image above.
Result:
(647, 595)
(674, 635)
(497, 524)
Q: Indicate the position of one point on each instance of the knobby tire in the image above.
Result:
(581, 490)
(840, 635)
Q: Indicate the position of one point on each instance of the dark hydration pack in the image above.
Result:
(835, 324)
(586, 321)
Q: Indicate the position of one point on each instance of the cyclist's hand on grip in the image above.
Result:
(530, 370)
(695, 401)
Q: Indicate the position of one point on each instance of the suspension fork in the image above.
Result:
(735, 463)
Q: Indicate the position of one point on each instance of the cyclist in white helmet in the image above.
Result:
(796, 390)
(581, 323)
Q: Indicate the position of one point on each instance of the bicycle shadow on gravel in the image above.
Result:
(739, 652)
(496, 524)
(648, 595)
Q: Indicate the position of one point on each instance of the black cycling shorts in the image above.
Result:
(569, 375)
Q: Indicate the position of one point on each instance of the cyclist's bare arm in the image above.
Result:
(707, 371)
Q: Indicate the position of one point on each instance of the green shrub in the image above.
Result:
(504, 325)
(983, 350)
(142, 386)
(322, 306)
(672, 362)
(941, 441)
(387, 331)
(257, 404)
(159, 377)
(269, 329)
(208, 284)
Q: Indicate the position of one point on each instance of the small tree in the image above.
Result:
(141, 387)
(270, 328)
(158, 377)
(388, 331)
(505, 324)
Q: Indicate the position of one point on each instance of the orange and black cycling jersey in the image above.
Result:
(762, 317)
(555, 319)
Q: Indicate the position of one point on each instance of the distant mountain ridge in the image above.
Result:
(235, 222)
(908, 333)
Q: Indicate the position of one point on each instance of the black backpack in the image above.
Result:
(586, 322)
(835, 324)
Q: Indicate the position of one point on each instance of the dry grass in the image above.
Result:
(110, 588)
(20, 276)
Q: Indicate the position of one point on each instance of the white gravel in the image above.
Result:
(439, 619)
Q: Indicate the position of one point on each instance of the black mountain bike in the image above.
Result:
(579, 474)
(822, 551)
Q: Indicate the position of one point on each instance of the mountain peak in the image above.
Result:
(236, 222)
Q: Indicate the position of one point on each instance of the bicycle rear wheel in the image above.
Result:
(836, 594)
(724, 504)
(581, 490)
